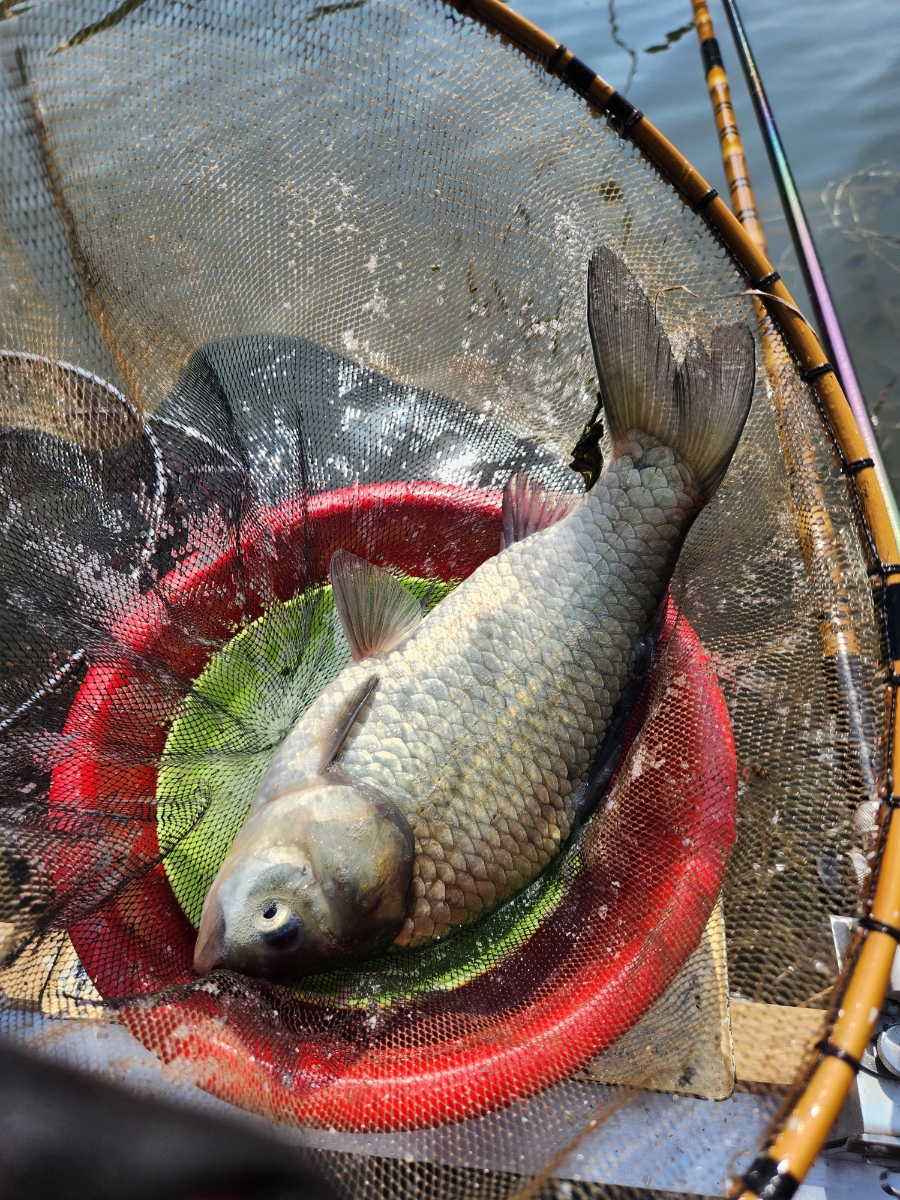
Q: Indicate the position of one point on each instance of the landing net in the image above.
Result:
(280, 279)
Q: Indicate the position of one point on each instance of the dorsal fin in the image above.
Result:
(345, 719)
(376, 611)
(528, 505)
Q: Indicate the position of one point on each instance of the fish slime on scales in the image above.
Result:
(443, 770)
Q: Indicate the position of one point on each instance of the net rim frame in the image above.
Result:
(573, 1015)
(801, 1128)
(811, 1111)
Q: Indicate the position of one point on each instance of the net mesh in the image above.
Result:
(279, 279)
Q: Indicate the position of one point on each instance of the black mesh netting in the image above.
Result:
(282, 279)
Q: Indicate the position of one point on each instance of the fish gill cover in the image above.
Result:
(279, 280)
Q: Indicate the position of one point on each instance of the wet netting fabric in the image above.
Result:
(279, 279)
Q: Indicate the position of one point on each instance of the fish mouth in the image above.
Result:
(319, 875)
(209, 951)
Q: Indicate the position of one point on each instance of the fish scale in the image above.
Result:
(442, 772)
(485, 722)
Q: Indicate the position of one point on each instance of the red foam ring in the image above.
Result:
(427, 529)
(669, 893)
(102, 795)
(467, 519)
(139, 941)
(103, 789)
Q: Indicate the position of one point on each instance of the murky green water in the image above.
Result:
(832, 72)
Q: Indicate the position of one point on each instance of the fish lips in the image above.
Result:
(355, 931)
(234, 930)
(210, 951)
(315, 875)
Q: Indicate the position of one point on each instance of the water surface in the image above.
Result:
(832, 73)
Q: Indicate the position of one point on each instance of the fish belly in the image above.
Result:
(487, 720)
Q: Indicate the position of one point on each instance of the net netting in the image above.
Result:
(282, 279)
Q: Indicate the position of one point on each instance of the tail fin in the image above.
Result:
(698, 407)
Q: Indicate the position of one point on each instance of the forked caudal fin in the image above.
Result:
(698, 407)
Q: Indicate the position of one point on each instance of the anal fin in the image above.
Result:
(376, 611)
(529, 506)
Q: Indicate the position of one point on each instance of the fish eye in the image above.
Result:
(281, 927)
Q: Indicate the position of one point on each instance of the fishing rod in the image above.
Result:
(818, 538)
(819, 542)
(743, 201)
(833, 339)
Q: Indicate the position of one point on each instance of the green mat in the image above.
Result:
(238, 712)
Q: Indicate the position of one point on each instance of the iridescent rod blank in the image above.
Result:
(833, 339)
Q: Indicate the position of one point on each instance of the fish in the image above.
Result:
(447, 765)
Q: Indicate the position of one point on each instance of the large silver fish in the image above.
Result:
(440, 772)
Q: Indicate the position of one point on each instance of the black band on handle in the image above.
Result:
(623, 110)
(553, 60)
(579, 76)
(881, 926)
(823, 369)
(853, 468)
(762, 284)
(709, 49)
(892, 619)
(767, 1181)
(831, 1051)
(705, 199)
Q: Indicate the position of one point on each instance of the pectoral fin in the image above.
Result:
(345, 719)
(376, 611)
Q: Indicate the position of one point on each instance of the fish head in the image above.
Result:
(318, 873)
